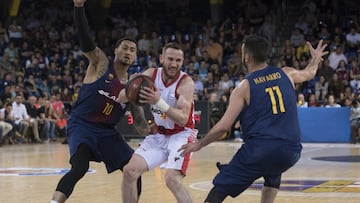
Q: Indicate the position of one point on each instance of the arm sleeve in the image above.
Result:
(82, 27)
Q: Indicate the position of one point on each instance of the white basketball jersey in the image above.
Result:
(168, 94)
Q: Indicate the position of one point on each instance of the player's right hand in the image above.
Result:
(149, 96)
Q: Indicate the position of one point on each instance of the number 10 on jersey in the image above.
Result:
(108, 109)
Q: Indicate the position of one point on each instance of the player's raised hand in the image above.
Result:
(79, 3)
(319, 52)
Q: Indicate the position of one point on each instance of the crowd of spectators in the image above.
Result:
(338, 76)
(40, 56)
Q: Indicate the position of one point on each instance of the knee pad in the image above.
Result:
(80, 161)
(79, 167)
(215, 196)
(68, 181)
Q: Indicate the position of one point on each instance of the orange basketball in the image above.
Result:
(134, 85)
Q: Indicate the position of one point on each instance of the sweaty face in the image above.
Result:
(126, 52)
(172, 60)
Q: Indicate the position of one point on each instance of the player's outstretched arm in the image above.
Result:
(239, 97)
(98, 61)
(299, 76)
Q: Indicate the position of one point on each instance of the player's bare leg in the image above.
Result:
(131, 172)
(173, 180)
(59, 197)
(268, 194)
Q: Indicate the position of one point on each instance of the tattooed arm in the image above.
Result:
(98, 65)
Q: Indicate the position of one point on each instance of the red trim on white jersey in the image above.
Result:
(177, 85)
(154, 74)
(187, 156)
(171, 82)
(169, 127)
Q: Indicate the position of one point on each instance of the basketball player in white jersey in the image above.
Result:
(172, 107)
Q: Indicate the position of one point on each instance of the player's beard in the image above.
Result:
(125, 61)
(172, 75)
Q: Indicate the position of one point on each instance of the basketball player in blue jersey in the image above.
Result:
(100, 106)
(266, 103)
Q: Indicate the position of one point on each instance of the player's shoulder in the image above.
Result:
(186, 80)
(150, 72)
(288, 69)
(290, 72)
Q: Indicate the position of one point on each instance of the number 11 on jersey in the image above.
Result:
(274, 103)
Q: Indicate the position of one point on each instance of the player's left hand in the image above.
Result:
(318, 52)
(190, 147)
(149, 96)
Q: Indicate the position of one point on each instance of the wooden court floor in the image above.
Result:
(29, 173)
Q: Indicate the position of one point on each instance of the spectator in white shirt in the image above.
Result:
(22, 119)
(353, 40)
(301, 101)
(336, 56)
(225, 84)
(199, 86)
(332, 103)
(5, 127)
